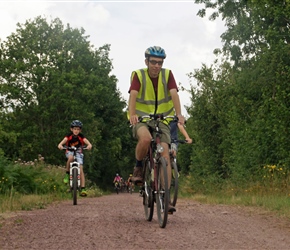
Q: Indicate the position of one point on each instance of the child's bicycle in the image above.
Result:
(175, 174)
(74, 174)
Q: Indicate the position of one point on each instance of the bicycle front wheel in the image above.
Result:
(75, 185)
(174, 184)
(148, 202)
(162, 193)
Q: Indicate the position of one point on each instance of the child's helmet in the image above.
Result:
(155, 51)
(76, 123)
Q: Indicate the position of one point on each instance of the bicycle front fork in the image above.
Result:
(74, 165)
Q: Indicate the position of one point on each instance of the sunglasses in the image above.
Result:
(153, 62)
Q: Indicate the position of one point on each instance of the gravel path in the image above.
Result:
(118, 221)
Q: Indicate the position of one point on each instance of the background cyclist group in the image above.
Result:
(124, 185)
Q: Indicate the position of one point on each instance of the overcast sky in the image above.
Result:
(130, 27)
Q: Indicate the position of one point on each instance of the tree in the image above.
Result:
(51, 76)
(241, 108)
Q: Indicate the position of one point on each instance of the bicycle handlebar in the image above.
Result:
(157, 117)
(73, 148)
(179, 141)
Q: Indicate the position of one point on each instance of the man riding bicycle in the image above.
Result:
(153, 90)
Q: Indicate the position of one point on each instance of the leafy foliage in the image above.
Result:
(240, 108)
(51, 76)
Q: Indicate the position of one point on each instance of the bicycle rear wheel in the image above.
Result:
(148, 202)
(162, 193)
(117, 188)
(75, 185)
(130, 188)
(174, 184)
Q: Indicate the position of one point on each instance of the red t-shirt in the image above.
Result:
(75, 140)
(135, 85)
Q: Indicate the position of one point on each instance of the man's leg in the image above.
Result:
(144, 138)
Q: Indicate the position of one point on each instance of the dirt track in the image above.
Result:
(117, 222)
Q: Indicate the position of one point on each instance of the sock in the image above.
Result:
(138, 163)
(67, 172)
(83, 187)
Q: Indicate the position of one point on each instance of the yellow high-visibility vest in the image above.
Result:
(146, 102)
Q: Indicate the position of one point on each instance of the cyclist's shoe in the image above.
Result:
(173, 174)
(83, 192)
(66, 179)
(171, 209)
(137, 176)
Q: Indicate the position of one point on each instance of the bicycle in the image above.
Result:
(174, 181)
(117, 186)
(155, 181)
(130, 187)
(74, 173)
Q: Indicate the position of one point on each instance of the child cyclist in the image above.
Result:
(77, 139)
(174, 126)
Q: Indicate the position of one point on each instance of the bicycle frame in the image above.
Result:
(75, 165)
(155, 149)
(74, 174)
(156, 155)
(174, 181)
(158, 165)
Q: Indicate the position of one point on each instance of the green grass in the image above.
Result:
(27, 202)
(269, 197)
(34, 185)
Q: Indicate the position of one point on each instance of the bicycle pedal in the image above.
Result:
(141, 193)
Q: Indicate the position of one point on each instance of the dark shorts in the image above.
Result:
(165, 136)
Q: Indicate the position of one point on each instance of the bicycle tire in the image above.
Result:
(174, 184)
(75, 185)
(130, 188)
(117, 189)
(162, 193)
(148, 201)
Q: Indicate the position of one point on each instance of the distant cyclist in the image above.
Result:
(117, 179)
(130, 182)
(77, 139)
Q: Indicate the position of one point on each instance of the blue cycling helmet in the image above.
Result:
(155, 51)
(76, 123)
